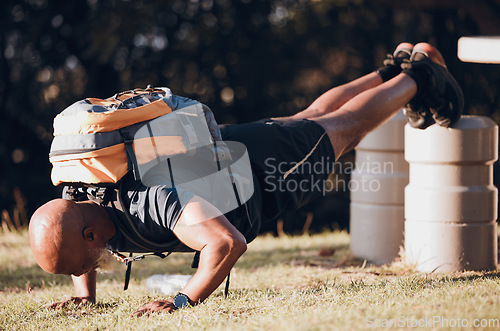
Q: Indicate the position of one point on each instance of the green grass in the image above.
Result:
(279, 284)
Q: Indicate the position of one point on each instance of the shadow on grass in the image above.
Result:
(332, 256)
(25, 279)
(469, 276)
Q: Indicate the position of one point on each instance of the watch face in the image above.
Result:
(181, 300)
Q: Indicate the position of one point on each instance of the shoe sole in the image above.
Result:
(418, 116)
(393, 60)
(443, 114)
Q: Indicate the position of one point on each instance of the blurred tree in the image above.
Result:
(246, 59)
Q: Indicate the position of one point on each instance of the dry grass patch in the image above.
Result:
(294, 283)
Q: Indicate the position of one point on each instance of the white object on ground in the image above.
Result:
(167, 284)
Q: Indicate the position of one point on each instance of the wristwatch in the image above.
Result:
(181, 300)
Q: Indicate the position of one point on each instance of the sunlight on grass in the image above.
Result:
(294, 283)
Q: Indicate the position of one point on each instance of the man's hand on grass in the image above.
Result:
(166, 306)
(78, 301)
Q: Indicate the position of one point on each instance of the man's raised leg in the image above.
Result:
(425, 81)
(365, 112)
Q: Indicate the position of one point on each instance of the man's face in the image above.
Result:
(99, 259)
(84, 262)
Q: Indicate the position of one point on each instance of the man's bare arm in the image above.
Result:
(203, 228)
(220, 246)
(85, 290)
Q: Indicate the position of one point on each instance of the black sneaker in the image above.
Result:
(417, 115)
(441, 99)
(392, 63)
(401, 53)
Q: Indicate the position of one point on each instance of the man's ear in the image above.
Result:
(89, 233)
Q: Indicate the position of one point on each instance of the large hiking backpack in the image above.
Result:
(97, 141)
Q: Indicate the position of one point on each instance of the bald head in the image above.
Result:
(63, 236)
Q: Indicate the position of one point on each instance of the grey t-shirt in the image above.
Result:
(154, 212)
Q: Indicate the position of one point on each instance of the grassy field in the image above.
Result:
(291, 283)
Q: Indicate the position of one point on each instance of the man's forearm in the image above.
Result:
(215, 264)
(203, 228)
(85, 285)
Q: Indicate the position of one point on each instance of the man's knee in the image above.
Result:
(344, 134)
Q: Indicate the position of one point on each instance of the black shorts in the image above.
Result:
(275, 148)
